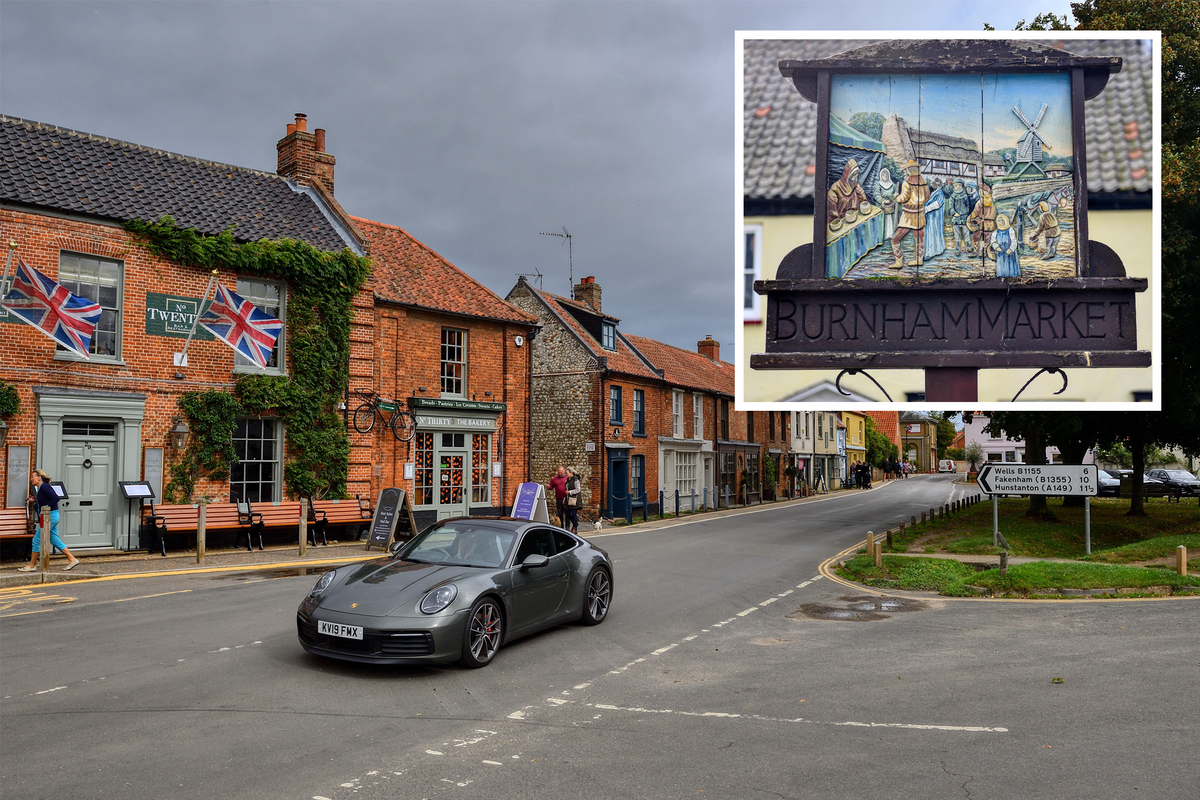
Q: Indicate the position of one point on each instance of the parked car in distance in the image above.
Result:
(1151, 487)
(946, 465)
(1177, 481)
(1110, 483)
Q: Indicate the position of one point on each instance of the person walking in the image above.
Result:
(559, 484)
(46, 496)
(574, 496)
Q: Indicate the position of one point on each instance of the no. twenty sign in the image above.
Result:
(1038, 479)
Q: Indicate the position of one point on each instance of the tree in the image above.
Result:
(973, 453)
(946, 432)
(868, 122)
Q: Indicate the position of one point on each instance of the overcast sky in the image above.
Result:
(473, 126)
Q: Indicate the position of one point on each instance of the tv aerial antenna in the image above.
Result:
(566, 237)
(534, 274)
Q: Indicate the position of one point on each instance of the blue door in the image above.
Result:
(618, 484)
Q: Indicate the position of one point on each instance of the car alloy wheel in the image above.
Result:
(599, 594)
(482, 638)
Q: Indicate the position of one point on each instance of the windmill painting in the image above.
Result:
(947, 176)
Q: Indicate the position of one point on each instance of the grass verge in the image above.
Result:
(954, 579)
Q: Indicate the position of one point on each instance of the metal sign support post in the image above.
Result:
(1087, 524)
(995, 520)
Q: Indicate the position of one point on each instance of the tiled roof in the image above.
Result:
(624, 359)
(55, 168)
(780, 126)
(407, 272)
(685, 368)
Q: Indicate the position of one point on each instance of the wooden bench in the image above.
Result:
(245, 518)
(15, 523)
(323, 513)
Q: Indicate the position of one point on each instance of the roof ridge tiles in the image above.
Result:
(95, 137)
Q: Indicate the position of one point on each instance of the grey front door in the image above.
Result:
(86, 518)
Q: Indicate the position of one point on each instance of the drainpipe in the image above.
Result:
(603, 447)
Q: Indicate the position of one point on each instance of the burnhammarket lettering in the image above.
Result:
(1051, 323)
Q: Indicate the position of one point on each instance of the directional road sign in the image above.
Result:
(1056, 479)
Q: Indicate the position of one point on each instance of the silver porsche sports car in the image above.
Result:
(456, 592)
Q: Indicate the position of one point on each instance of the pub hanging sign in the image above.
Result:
(950, 216)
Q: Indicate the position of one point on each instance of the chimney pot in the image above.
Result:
(291, 128)
(301, 122)
(320, 133)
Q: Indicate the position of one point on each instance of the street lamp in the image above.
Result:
(179, 434)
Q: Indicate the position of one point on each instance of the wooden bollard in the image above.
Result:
(870, 543)
(303, 526)
(890, 541)
(1181, 559)
(44, 540)
(922, 517)
(914, 520)
(201, 521)
(1004, 562)
(879, 555)
(931, 515)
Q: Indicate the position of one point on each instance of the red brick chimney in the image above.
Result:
(302, 155)
(588, 291)
(709, 347)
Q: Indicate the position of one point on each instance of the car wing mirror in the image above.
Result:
(535, 560)
(395, 547)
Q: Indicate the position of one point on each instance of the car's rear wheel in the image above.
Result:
(485, 629)
(597, 597)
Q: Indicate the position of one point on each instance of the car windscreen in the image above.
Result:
(1180, 475)
(460, 542)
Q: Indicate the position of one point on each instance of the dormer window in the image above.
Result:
(608, 336)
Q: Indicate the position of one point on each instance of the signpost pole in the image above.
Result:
(995, 521)
(1087, 524)
(951, 384)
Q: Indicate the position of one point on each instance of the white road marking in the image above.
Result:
(145, 596)
(662, 650)
(48, 691)
(583, 685)
(689, 638)
(806, 583)
(496, 763)
(430, 752)
(747, 611)
(768, 602)
(757, 717)
(558, 701)
(817, 578)
(517, 715)
(785, 594)
(476, 740)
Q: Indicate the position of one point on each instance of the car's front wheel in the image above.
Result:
(597, 597)
(485, 629)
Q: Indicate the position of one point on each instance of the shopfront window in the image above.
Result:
(480, 473)
(423, 478)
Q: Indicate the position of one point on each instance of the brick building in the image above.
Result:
(427, 333)
(420, 330)
(633, 415)
(64, 196)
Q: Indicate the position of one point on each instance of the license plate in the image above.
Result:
(344, 631)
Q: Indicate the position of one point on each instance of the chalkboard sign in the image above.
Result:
(393, 517)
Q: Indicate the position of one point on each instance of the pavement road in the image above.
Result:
(708, 679)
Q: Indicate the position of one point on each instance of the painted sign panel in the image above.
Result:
(1052, 479)
(169, 315)
(152, 468)
(950, 176)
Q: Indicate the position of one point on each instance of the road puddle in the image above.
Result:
(859, 608)
(272, 574)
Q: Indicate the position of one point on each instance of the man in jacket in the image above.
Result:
(912, 198)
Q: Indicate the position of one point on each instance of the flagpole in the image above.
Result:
(199, 309)
(12, 248)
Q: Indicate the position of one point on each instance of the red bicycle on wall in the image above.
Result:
(392, 413)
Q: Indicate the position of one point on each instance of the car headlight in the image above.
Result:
(322, 584)
(438, 599)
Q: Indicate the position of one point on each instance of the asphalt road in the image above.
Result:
(706, 680)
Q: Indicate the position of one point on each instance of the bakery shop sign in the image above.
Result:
(950, 219)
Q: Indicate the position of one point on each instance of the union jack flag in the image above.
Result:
(49, 307)
(242, 325)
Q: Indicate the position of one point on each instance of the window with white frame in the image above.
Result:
(677, 414)
(99, 280)
(639, 411)
(614, 405)
(608, 336)
(697, 416)
(454, 362)
(685, 473)
(270, 297)
(751, 271)
(255, 475)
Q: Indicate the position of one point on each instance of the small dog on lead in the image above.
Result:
(598, 526)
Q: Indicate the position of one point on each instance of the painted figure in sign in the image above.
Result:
(983, 222)
(1004, 248)
(912, 198)
(935, 236)
(885, 194)
(960, 206)
(1048, 225)
(846, 194)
